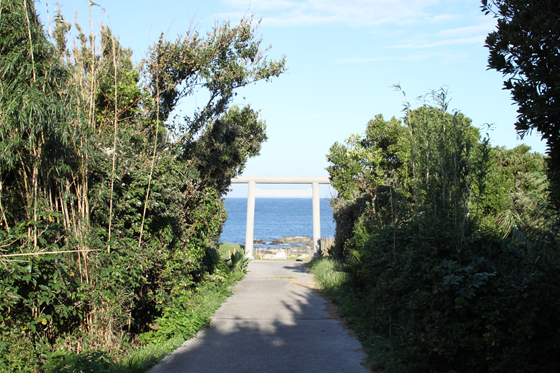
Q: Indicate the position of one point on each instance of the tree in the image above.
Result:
(114, 196)
(526, 49)
(222, 150)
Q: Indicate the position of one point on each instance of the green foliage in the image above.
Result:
(516, 195)
(225, 146)
(225, 249)
(327, 272)
(396, 172)
(364, 172)
(183, 318)
(145, 357)
(238, 261)
(364, 162)
(339, 288)
(525, 49)
(110, 207)
(176, 322)
(87, 361)
(17, 353)
(452, 260)
(488, 308)
(226, 59)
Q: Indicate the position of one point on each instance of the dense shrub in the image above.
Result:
(110, 207)
(492, 306)
(449, 244)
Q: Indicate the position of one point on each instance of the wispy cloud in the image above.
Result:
(444, 18)
(412, 57)
(472, 40)
(363, 60)
(349, 12)
(260, 5)
(407, 24)
(472, 34)
(485, 26)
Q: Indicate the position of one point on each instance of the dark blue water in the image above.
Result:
(275, 218)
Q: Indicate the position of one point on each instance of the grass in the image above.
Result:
(145, 357)
(351, 302)
(205, 301)
(328, 275)
(150, 348)
(173, 331)
(226, 249)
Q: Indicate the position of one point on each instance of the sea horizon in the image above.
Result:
(275, 217)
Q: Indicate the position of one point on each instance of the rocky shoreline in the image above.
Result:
(291, 248)
(302, 251)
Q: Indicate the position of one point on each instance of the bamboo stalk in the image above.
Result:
(30, 40)
(153, 157)
(114, 149)
(64, 208)
(48, 19)
(92, 42)
(84, 172)
(56, 208)
(80, 267)
(2, 209)
(35, 186)
(84, 254)
(413, 157)
(86, 192)
(25, 184)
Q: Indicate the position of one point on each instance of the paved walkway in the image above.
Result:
(274, 322)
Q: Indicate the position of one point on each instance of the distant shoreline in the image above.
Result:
(267, 197)
(275, 218)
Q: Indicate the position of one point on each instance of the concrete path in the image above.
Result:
(274, 322)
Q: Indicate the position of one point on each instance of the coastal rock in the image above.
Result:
(293, 239)
(258, 241)
(290, 253)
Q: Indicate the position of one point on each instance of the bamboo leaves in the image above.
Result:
(116, 218)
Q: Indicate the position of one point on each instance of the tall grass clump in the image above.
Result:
(110, 204)
(336, 283)
(449, 244)
(328, 274)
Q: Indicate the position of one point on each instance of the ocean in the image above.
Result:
(275, 218)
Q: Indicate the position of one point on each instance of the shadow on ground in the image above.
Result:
(274, 322)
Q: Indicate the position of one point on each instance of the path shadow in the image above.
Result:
(295, 335)
(296, 268)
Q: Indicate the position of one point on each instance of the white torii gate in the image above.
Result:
(253, 180)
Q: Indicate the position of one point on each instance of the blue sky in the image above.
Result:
(343, 58)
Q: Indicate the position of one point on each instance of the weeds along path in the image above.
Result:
(274, 322)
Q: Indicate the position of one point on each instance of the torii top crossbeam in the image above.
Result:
(281, 179)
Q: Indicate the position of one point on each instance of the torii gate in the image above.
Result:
(253, 180)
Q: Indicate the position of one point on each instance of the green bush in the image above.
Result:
(450, 246)
(490, 307)
(327, 274)
(110, 209)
